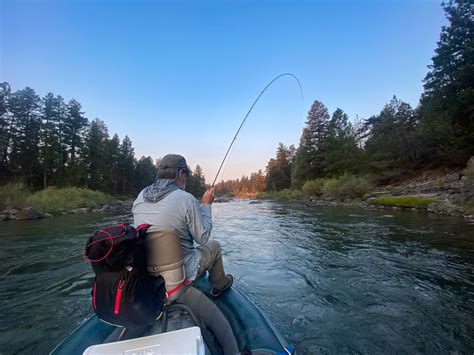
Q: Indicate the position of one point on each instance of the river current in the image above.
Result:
(332, 280)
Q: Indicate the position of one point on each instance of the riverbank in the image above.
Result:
(29, 213)
(442, 191)
(18, 203)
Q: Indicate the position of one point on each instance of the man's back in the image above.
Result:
(179, 211)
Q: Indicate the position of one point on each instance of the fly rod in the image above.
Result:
(248, 113)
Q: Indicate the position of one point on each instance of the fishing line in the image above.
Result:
(250, 110)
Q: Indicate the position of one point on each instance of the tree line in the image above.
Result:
(438, 132)
(243, 187)
(49, 142)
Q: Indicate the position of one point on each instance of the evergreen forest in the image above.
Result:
(46, 141)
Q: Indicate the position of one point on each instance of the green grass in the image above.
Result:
(54, 200)
(469, 206)
(14, 195)
(403, 201)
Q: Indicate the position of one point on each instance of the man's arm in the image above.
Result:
(199, 220)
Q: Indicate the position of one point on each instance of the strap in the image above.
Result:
(109, 237)
(176, 289)
(143, 226)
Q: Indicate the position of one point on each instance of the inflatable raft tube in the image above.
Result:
(229, 324)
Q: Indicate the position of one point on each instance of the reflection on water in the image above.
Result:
(332, 280)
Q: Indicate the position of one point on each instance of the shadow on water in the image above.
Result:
(333, 280)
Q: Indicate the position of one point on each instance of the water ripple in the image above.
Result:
(333, 280)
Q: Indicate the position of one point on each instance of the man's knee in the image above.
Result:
(215, 247)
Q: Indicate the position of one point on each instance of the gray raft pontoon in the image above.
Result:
(229, 324)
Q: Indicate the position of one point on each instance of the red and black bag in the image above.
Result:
(124, 294)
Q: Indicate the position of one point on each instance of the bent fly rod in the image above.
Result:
(250, 110)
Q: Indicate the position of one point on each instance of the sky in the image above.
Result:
(179, 76)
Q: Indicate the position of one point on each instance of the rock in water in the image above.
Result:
(446, 207)
(29, 213)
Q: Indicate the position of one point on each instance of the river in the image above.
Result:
(332, 280)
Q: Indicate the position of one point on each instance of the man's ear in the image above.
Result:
(181, 175)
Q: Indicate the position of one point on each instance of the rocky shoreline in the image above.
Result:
(29, 213)
(451, 192)
(444, 207)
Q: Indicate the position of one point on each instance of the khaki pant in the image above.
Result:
(211, 260)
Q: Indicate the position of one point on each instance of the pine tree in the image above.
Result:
(279, 169)
(260, 183)
(342, 154)
(448, 101)
(112, 174)
(390, 142)
(24, 107)
(126, 165)
(145, 173)
(200, 179)
(60, 175)
(50, 145)
(309, 160)
(96, 151)
(7, 125)
(75, 125)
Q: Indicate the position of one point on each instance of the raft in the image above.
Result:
(196, 323)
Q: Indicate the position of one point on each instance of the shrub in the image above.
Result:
(284, 194)
(342, 188)
(264, 196)
(313, 188)
(54, 200)
(346, 187)
(331, 187)
(288, 194)
(354, 187)
(297, 195)
(14, 195)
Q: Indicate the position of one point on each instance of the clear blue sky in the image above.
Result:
(178, 76)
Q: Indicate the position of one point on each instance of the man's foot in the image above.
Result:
(230, 280)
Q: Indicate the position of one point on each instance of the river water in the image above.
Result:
(333, 280)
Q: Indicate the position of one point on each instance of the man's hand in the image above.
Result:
(208, 196)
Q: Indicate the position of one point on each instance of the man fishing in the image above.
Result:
(166, 204)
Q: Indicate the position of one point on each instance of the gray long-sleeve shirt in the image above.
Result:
(182, 212)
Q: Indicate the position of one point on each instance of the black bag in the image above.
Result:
(124, 294)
